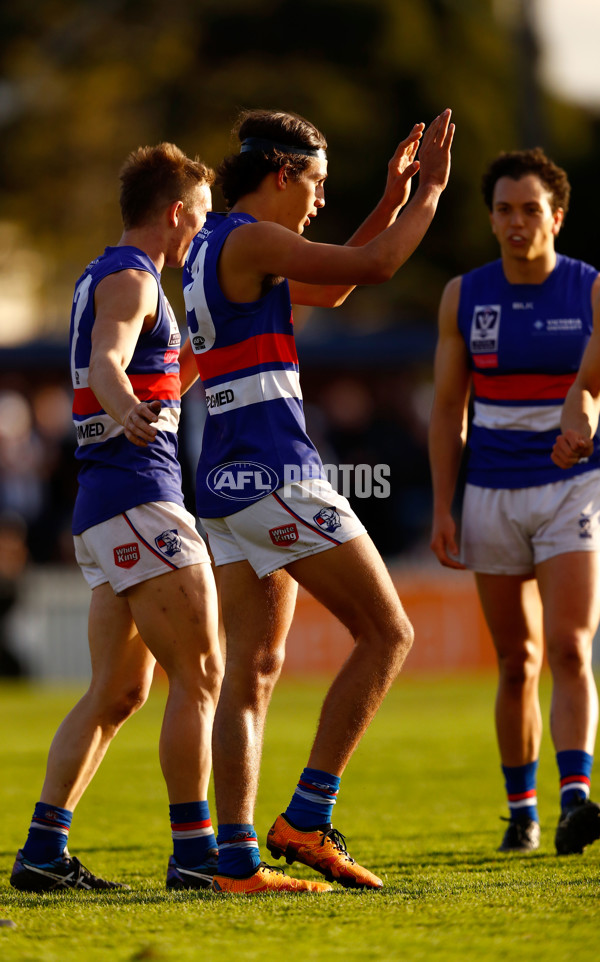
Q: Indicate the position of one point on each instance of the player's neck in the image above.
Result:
(255, 205)
(523, 271)
(147, 240)
(264, 203)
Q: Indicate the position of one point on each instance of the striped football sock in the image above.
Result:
(48, 833)
(192, 832)
(520, 781)
(238, 850)
(312, 802)
(575, 769)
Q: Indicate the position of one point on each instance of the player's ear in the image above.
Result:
(558, 218)
(282, 177)
(173, 212)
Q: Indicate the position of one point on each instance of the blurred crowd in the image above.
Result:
(355, 416)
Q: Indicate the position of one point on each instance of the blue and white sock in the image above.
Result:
(575, 769)
(312, 803)
(192, 833)
(238, 850)
(520, 781)
(48, 833)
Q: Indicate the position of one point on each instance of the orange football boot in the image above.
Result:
(265, 879)
(324, 850)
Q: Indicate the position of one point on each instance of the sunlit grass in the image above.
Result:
(420, 805)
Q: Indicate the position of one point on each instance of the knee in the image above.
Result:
(266, 669)
(520, 668)
(255, 678)
(209, 678)
(214, 671)
(570, 655)
(203, 683)
(118, 706)
(404, 640)
(390, 640)
(195, 670)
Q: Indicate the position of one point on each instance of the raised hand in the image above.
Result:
(434, 151)
(402, 168)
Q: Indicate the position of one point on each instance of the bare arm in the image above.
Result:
(448, 426)
(258, 250)
(579, 420)
(126, 302)
(188, 369)
(401, 169)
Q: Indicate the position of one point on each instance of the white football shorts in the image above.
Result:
(301, 519)
(509, 531)
(139, 544)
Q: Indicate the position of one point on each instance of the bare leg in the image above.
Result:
(512, 609)
(353, 583)
(257, 615)
(122, 669)
(570, 591)
(176, 614)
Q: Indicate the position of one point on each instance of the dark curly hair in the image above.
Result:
(240, 174)
(153, 177)
(518, 163)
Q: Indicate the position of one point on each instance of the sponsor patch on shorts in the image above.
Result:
(168, 542)
(328, 518)
(286, 534)
(585, 525)
(126, 555)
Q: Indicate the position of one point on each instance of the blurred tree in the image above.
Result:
(83, 83)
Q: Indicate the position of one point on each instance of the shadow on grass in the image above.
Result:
(439, 859)
(85, 850)
(47, 901)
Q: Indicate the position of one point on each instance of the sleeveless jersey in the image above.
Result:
(255, 435)
(115, 474)
(525, 343)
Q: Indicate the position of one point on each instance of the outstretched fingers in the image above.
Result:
(406, 151)
(403, 166)
(440, 129)
(434, 152)
(447, 130)
(409, 143)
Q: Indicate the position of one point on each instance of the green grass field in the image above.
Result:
(420, 805)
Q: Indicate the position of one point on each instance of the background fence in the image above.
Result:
(48, 625)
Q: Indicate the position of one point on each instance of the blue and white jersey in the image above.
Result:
(115, 474)
(246, 355)
(525, 343)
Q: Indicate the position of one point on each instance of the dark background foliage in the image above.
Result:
(84, 82)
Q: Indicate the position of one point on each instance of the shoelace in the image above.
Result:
(77, 876)
(339, 841)
(271, 868)
(518, 829)
(83, 874)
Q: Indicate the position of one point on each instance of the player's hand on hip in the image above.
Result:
(571, 447)
(139, 423)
